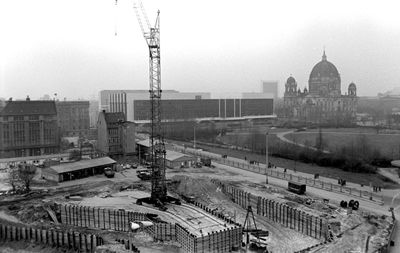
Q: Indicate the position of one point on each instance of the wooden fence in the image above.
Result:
(54, 238)
(328, 186)
(278, 212)
(128, 245)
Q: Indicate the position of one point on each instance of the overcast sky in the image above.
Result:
(69, 47)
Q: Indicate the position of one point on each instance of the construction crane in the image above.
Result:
(157, 146)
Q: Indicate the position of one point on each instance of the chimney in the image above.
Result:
(27, 98)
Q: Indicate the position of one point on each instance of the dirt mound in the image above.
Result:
(31, 213)
(202, 189)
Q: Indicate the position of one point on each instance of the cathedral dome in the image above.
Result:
(324, 68)
(324, 79)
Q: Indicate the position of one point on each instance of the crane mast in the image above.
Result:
(157, 146)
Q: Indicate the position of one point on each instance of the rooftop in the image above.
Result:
(29, 107)
(172, 155)
(84, 164)
(114, 117)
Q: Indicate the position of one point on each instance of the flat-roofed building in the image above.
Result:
(205, 109)
(176, 160)
(76, 170)
(28, 128)
(124, 100)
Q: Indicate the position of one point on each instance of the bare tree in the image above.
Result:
(319, 142)
(13, 178)
(26, 174)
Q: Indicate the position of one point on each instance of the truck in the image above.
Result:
(206, 162)
(108, 172)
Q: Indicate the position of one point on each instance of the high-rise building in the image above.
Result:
(28, 128)
(270, 87)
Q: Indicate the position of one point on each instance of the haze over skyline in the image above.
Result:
(69, 47)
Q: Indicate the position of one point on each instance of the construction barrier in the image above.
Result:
(54, 238)
(328, 186)
(216, 214)
(93, 217)
(386, 247)
(278, 212)
(128, 245)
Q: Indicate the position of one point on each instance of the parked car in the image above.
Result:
(144, 174)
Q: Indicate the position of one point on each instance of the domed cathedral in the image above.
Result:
(323, 102)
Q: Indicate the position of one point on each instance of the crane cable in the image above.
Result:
(116, 18)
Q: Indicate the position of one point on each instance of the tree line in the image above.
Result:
(356, 156)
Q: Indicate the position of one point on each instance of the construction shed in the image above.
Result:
(76, 170)
(175, 160)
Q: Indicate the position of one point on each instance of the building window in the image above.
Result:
(18, 118)
(19, 133)
(6, 134)
(34, 132)
(34, 117)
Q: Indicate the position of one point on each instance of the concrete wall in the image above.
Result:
(129, 140)
(102, 134)
(50, 175)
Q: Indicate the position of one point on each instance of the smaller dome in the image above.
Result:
(291, 80)
(352, 90)
(352, 86)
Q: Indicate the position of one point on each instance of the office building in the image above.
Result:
(28, 128)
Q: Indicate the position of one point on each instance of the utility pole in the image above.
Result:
(194, 136)
(266, 156)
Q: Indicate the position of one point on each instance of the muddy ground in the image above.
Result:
(350, 231)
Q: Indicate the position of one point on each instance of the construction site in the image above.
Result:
(214, 204)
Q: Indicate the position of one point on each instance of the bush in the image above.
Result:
(324, 161)
(381, 162)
